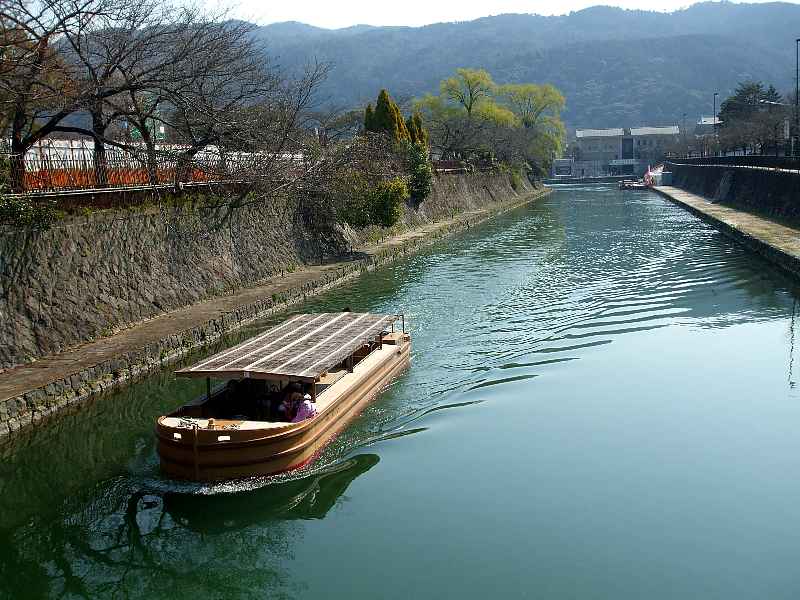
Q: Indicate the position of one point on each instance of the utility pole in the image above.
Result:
(795, 149)
(685, 146)
(714, 121)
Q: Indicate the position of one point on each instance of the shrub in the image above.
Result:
(19, 211)
(381, 204)
(387, 202)
(420, 173)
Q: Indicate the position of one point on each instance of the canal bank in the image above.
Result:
(32, 392)
(776, 242)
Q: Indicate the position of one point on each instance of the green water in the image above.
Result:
(601, 404)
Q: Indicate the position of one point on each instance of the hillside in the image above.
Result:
(617, 67)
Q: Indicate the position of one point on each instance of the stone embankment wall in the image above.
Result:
(766, 192)
(90, 276)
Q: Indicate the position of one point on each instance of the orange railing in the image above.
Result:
(64, 165)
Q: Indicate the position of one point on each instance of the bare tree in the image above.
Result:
(149, 64)
(37, 87)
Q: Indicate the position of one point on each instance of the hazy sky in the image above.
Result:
(342, 13)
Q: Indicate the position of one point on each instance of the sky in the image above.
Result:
(343, 13)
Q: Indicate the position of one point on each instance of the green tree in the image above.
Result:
(388, 119)
(473, 117)
(772, 95)
(469, 88)
(369, 119)
(743, 103)
(538, 108)
(533, 103)
(752, 118)
(420, 181)
(416, 130)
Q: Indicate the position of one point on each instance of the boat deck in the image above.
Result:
(326, 398)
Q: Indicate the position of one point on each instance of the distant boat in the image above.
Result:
(632, 184)
(342, 360)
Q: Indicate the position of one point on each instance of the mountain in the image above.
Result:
(616, 67)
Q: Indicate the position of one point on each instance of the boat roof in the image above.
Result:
(301, 348)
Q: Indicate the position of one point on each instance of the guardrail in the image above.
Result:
(750, 160)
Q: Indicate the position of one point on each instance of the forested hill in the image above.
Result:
(616, 67)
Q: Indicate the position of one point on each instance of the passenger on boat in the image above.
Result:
(293, 395)
(305, 410)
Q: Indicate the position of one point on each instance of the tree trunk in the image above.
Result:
(152, 163)
(18, 149)
(100, 159)
(17, 167)
(182, 168)
(150, 147)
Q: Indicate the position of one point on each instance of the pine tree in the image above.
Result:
(416, 130)
(387, 118)
(369, 119)
(412, 129)
(399, 131)
(772, 95)
(382, 120)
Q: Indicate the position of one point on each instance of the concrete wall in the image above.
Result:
(89, 276)
(767, 192)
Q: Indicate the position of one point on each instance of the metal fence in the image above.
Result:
(55, 166)
(115, 172)
(59, 165)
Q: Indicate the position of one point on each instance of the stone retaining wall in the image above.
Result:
(90, 276)
(761, 191)
(780, 258)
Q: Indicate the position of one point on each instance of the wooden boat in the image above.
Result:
(630, 184)
(341, 359)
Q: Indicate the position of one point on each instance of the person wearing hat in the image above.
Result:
(305, 409)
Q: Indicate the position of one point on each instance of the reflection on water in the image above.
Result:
(310, 497)
(581, 368)
(125, 540)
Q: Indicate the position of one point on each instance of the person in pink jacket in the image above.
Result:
(305, 409)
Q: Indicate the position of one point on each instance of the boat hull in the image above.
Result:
(198, 454)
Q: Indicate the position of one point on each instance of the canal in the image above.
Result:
(601, 404)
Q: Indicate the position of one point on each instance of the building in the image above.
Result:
(705, 126)
(619, 151)
(563, 167)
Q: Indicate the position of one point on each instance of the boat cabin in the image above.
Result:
(309, 353)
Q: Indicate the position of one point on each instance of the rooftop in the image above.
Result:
(301, 348)
(587, 133)
(670, 130)
(709, 121)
